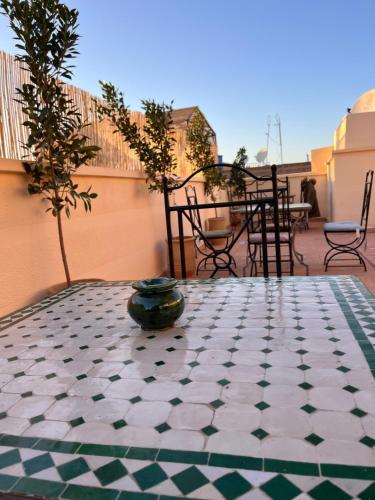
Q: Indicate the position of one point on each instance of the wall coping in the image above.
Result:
(307, 174)
(15, 166)
(367, 149)
(303, 174)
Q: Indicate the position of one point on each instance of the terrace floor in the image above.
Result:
(312, 245)
(263, 389)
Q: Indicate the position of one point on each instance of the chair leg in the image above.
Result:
(364, 264)
(347, 248)
(352, 251)
(327, 255)
(291, 260)
(198, 269)
(252, 257)
(253, 268)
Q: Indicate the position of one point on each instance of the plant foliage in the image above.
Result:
(237, 177)
(199, 138)
(153, 143)
(46, 34)
(45, 31)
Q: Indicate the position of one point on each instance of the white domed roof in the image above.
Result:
(365, 103)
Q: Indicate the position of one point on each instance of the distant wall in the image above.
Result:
(320, 187)
(356, 131)
(282, 170)
(352, 156)
(123, 237)
(319, 159)
(295, 178)
(347, 172)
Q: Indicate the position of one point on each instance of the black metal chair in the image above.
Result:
(356, 232)
(238, 213)
(222, 258)
(209, 238)
(255, 257)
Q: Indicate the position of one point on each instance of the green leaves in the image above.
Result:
(46, 34)
(200, 141)
(45, 31)
(153, 143)
(237, 177)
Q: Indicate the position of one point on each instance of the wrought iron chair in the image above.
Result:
(208, 238)
(356, 232)
(286, 228)
(222, 258)
(238, 213)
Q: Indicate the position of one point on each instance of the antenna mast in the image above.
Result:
(268, 138)
(278, 124)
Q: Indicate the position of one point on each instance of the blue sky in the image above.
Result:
(238, 60)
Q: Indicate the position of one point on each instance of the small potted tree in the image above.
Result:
(46, 34)
(154, 145)
(237, 183)
(200, 154)
(237, 177)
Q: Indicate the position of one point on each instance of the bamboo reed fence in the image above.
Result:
(115, 153)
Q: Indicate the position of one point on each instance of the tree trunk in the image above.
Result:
(62, 248)
(59, 223)
(213, 199)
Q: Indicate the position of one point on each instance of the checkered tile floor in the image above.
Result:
(263, 389)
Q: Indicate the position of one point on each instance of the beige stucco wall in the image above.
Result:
(123, 237)
(347, 172)
(321, 189)
(319, 158)
(352, 156)
(356, 131)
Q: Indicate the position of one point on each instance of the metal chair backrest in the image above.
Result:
(192, 200)
(367, 199)
(284, 197)
(283, 202)
(229, 192)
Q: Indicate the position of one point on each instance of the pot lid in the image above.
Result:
(154, 285)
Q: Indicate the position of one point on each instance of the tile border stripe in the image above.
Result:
(192, 457)
(355, 327)
(54, 489)
(25, 312)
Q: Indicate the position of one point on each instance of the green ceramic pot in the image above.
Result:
(156, 304)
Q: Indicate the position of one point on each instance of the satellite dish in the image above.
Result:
(261, 155)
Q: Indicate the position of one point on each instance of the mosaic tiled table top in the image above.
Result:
(263, 389)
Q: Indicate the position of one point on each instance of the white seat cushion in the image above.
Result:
(342, 227)
(218, 233)
(256, 238)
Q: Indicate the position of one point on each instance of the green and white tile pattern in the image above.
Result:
(264, 389)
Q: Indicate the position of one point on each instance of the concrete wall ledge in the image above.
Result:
(353, 150)
(15, 166)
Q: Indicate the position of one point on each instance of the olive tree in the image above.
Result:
(199, 153)
(237, 177)
(46, 35)
(153, 142)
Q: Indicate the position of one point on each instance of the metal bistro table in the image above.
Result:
(263, 389)
(303, 210)
(301, 213)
